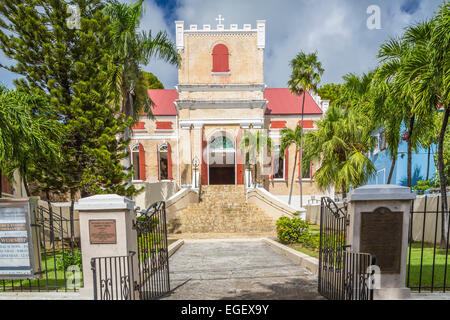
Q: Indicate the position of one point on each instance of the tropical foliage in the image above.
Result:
(254, 145)
(305, 77)
(27, 134)
(131, 50)
(341, 144)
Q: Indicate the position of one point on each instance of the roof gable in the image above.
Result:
(282, 101)
(164, 101)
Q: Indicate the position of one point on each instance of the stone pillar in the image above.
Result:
(106, 229)
(379, 224)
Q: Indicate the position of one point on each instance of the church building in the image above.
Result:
(194, 135)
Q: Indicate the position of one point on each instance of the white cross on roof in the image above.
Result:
(220, 19)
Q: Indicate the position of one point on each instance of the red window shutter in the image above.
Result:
(204, 170)
(220, 58)
(239, 161)
(307, 124)
(169, 162)
(141, 163)
(277, 124)
(286, 163)
(163, 125)
(139, 126)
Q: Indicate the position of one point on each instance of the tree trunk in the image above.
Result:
(428, 163)
(391, 172)
(301, 153)
(25, 184)
(292, 179)
(410, 132)
(443, 182)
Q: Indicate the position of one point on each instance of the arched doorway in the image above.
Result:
(221, 160)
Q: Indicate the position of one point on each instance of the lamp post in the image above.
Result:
(195, 165)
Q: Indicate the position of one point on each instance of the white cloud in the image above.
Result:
(335, 28)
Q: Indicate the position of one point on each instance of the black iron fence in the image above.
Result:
(343, 275)
(153, 254)
(113, 278)
(428, 266)
(59, 252)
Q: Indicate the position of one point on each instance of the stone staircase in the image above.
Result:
(222, 210)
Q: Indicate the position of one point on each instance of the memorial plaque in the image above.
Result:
(102, 231)
(387, 248)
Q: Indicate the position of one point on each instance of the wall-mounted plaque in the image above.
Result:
(102, 231)
(387, 248)
(16, 245)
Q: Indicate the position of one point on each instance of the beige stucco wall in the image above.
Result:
(245, 61)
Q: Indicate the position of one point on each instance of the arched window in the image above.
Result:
(164, 161)
(220, 58)
(137, 158)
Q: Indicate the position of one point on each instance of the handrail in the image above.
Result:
(199, 187)
(273, 203)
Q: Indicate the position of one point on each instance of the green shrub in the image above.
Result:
(293, 230)
(296, 231)
(66, 260)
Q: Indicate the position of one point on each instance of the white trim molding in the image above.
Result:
(221, 73)
(154, 137)
(244, 123)
(220, 87)
(221, 104)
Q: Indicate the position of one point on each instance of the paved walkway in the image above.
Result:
(237, 269)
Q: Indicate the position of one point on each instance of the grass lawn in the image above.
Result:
(314, 228)
(307, 251)
(427, 267)
(49, 280)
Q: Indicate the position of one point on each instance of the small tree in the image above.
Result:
(305, 76)
(27, 134)
(253, 145)
(291, 137)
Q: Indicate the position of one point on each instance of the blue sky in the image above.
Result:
(336, 29)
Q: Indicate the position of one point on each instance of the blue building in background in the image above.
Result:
(382, 161)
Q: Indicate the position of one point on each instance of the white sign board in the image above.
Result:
(15, 241)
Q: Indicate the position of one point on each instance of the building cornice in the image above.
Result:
(199, 123)
(221, 104)
(220, 87)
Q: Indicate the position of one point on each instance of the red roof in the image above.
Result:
(282, 101)
(164, 101)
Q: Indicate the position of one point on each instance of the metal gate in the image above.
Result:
(114, 277)
(153, 253)
(343, 275)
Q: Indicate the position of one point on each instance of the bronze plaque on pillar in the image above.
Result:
(381, 234)
(102, 231)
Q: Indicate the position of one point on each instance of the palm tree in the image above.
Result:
(27, 133)
(383, 108)
(394, 56)
(340, 144)
(291, 137)
(429, 69)
(305, 76)
(132, 49)
(252, 145)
